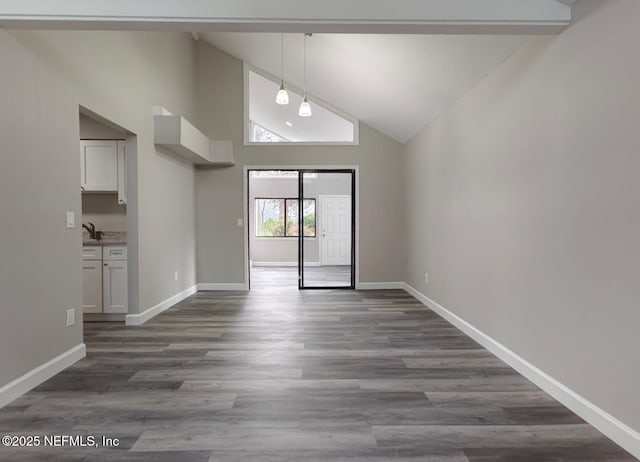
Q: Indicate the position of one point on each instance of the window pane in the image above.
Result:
(270, 217)
(292, 217)
(262, 135)
(309, 217)
(308, 220)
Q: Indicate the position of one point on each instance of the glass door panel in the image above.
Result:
(325, 216)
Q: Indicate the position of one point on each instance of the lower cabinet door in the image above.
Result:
(92, 286)
(114, 287)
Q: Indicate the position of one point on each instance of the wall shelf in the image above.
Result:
(177, 135)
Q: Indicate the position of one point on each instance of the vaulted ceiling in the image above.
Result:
(394, 83)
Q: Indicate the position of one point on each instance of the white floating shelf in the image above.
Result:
(177, 135)
(221, 152)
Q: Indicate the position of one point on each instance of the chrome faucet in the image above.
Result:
(91, 229)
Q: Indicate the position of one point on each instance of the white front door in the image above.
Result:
(335, 232)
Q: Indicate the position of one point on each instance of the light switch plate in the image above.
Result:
(240, 222)
(71, 317)
(71, 220)
(426, 278)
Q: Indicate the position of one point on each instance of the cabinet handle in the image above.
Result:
(106, 264)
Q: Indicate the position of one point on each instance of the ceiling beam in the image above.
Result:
(339, 16)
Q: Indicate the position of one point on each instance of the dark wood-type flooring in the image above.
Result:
(278, 277)
(283, 375)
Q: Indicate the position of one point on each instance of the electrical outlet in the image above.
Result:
(175, 275)
(71, 317)
(426, 278)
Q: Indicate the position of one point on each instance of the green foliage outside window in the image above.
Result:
(272, 214)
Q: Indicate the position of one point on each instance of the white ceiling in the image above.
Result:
(396, 84)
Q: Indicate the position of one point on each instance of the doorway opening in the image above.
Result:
(108, 164)
(301, 229)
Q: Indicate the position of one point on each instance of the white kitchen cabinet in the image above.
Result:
(122, 174)
(99, 165)
(92, 252)
(114, 280)
(92, 282)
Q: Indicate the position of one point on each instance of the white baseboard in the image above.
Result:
(622, 434)
(379, 285)
(141, 318)
(223, 286)
(283, 263)
(40, 374)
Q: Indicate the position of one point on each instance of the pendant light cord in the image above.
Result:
(282, 60)
(304, 72)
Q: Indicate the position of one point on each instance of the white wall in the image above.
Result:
(119, 75)
(523, 206)
(219, 196)
(91, 129)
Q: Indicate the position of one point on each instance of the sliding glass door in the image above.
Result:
(325, 228)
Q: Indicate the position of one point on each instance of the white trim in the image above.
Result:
(380, 285)
(141, 318)
(623, 435)
(284, 263)
(294, 17)
(40, 374)
(276, 177)
(245, 201)
(247, 121)
(223, 286)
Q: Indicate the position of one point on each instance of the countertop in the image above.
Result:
(109, 238)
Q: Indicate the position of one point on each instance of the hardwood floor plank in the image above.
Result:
(240, 437)
(486, 436)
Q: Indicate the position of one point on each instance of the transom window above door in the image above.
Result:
(272, 123)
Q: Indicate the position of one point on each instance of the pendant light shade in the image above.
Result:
(305, 108)
(282, 97)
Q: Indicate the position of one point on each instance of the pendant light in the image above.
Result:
(305, 107)
(282, 97)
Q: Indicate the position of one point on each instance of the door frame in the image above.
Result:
(131, 186)
(354, 228)
(355, 216)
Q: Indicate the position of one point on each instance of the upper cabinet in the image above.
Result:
(99, 165)
(102, 167)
